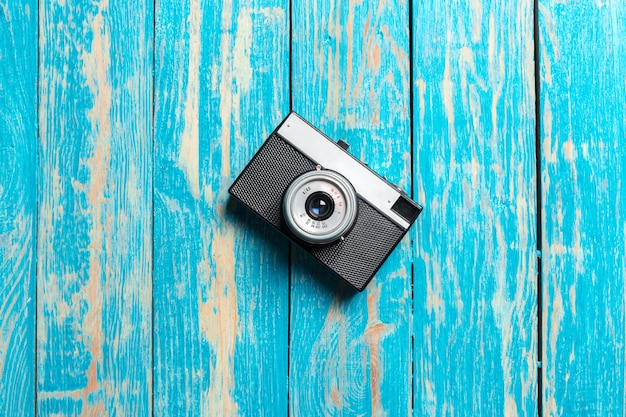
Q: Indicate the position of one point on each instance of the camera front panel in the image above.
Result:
(263, 181)
(357, 256)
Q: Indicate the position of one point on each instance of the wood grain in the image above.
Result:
(439, 97)
(221, 276)
(94, 231)
(583, 155)
(475, 270)
(350, 354)
(18, 206)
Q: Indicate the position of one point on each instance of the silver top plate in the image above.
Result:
(325, 152)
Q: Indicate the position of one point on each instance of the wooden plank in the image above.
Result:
(583, 155)
(474, 158)
(350, 354)
(94, 232)
(220, 284)
(18, 206)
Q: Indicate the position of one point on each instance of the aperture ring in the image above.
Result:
(332, 227)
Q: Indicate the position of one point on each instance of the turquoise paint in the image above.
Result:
(583, 137)
(221, 276)
(18, 205)
(350, 354)
(94, 230)
(240, 327)
(475, 316)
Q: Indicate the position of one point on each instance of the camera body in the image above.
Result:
(316, 193)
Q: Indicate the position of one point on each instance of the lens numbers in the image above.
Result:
(313, 224)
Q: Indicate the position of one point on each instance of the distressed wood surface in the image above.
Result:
(150, 292)
(350, 353)
(475, 318)
(583, 156)
(18, 205)
(94, 261)
(221, 276)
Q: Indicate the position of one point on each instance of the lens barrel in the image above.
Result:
(319, 207)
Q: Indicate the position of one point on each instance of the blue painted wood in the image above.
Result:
(475, 316)
(350, 354)
(455, 336)
(583, 155)
(94, 228)
(18, 206)
(221, 276)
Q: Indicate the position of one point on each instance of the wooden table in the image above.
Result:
(131, 285)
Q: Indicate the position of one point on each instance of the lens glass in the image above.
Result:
(319, 206)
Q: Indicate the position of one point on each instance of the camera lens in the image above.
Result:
(319, 206)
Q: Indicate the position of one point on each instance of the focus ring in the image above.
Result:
(319, 230)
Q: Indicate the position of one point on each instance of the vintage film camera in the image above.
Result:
(321, 197)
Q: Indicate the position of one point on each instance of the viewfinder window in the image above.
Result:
(406, 209)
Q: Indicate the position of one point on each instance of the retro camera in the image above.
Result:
(321, 197)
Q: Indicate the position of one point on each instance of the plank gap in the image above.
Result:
(538, 201)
